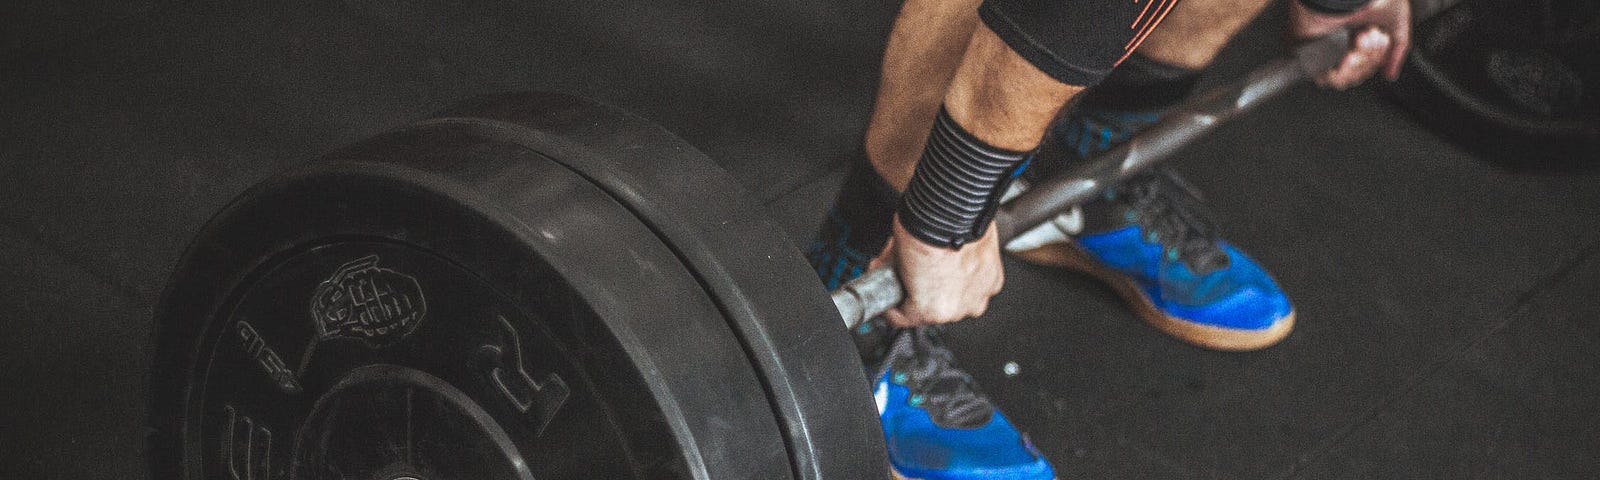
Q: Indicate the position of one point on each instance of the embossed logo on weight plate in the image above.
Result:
(364, 302)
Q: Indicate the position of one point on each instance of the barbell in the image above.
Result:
(539, 286)
(879, 289)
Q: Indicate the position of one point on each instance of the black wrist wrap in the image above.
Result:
(1141, 83)
(957, 186)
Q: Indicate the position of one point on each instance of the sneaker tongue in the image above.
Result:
(946, 393)
(1165, 206)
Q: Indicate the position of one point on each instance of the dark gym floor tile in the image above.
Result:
(1080, 359)
(1521, 402)
(772, 91)
(119, 146)
(74, 369)
(800, 210)
(1396, 247)
(1101, 392)
(32, 27)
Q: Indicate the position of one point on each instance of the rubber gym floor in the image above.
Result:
(1447, 314)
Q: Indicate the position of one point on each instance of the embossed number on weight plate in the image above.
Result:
(258, 350)
(246, 447)
(538, 399)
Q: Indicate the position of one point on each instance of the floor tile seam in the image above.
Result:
(125, 294)
(1408, 389)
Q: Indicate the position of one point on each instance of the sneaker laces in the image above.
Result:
(918, 360)
(1173, 214)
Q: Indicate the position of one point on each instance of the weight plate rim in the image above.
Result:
(829, 436)
(229, 217)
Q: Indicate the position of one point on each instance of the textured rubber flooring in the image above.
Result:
(1447, 321)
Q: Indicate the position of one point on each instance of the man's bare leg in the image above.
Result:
(957, 112)
(939, 55)
(1251, 312)
(1001, 97)
(1003, 100)
(1000, 100)
(1197, 29)
(924, 50)
(930, 38)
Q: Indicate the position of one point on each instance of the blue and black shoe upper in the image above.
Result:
(1155, 230)
(938, 426)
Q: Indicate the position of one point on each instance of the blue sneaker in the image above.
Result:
(1151, 240)
(938, 426)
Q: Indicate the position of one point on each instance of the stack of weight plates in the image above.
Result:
(527, 286)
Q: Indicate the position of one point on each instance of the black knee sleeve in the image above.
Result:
(1141, 84)
(1135, 94)
(1077, 42)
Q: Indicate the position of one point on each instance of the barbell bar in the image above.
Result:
(879, 289)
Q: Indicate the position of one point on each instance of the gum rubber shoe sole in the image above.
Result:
(1070, 256)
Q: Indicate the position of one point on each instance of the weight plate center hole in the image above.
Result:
(387, 422)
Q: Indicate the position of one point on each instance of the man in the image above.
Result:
(969, 91)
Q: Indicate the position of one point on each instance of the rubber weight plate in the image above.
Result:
(1516, 80)
(789, 325)
(436, 304)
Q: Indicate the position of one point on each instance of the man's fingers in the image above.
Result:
(1396, 59)
(1363, 60)
(1350, 71)
(983, 306)
(919, 312)
(903, 317)
(1401, 44)
(897, 319)
(885, 256)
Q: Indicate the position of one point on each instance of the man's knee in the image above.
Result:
(1005, 98)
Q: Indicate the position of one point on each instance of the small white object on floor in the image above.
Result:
(1011, 369)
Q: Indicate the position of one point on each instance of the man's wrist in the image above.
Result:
(957, 186)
